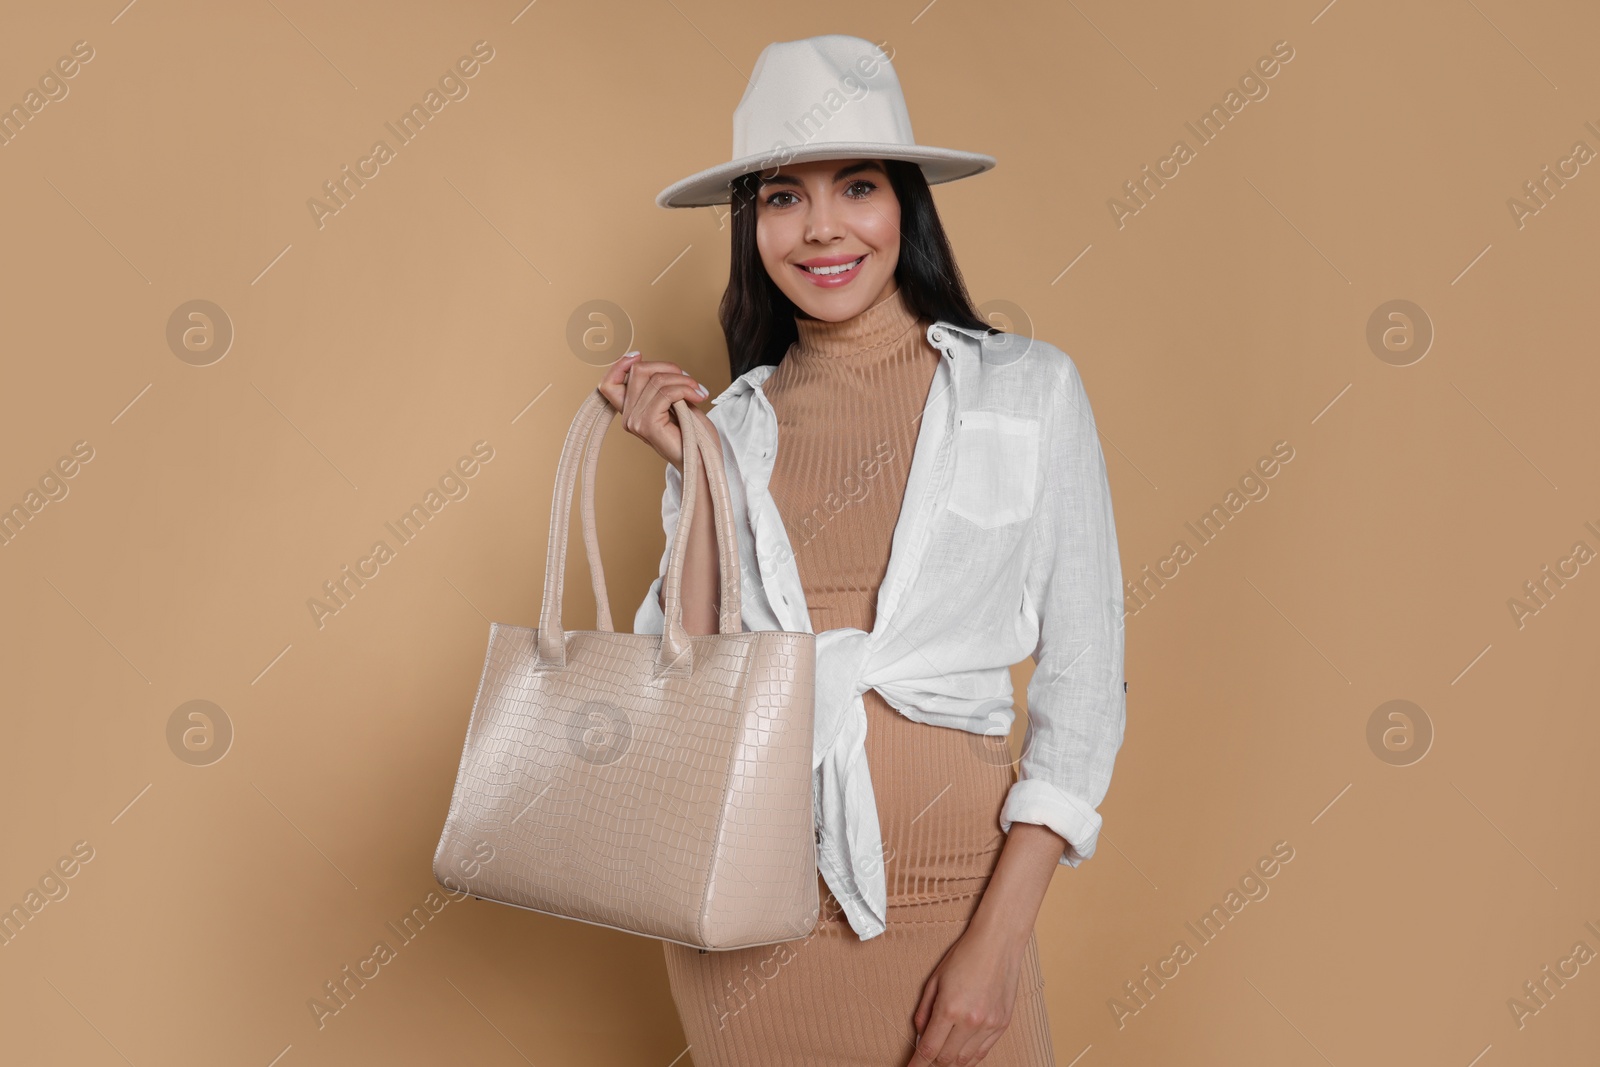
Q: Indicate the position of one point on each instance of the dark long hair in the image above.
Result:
(758, 319)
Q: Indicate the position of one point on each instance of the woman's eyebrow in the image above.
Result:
(844, 172)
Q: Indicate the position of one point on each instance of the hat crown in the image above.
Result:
(820, 90)
(827, 97)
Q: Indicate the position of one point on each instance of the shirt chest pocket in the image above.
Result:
(996, 468)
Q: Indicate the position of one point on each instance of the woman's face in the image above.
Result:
(822, 214)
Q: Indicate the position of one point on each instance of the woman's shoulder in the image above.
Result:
(1026, 377)
(1021, 359)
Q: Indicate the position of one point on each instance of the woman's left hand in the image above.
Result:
(967, 1002)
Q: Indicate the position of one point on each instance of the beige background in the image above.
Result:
(431, 312)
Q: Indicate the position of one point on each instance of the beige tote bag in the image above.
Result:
(658, 784)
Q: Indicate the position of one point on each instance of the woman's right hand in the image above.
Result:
(643, 391)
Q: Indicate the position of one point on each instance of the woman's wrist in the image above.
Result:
(1008, 928)
(1011, 901)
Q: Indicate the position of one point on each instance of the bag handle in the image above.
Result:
(591, 539)
(675, 647)
(585, 435)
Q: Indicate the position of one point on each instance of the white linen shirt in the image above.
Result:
(1005, 546)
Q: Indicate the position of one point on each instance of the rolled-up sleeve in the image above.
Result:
(1076, 698)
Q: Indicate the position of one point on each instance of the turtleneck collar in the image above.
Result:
(878, 327)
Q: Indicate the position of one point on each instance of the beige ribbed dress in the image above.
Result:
(849, 397)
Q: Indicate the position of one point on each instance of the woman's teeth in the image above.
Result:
(838, 269)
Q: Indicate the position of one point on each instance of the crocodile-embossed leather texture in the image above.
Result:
(657, 784)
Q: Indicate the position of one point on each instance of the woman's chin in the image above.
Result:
(835, 305)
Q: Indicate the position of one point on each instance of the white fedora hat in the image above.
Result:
(828, 97)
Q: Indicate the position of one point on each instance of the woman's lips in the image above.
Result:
(833, 281)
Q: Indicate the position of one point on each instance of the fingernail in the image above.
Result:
(630, 355)
(704, 391)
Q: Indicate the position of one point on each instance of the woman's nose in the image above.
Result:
(822, 223)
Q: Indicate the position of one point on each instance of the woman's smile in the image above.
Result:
(830, 272)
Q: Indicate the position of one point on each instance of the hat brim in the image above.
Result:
(711, 186)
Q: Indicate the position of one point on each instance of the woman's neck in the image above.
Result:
(875, 328)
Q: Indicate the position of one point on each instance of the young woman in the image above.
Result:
(928, 496)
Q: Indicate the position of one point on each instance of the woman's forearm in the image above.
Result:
(1016, 889)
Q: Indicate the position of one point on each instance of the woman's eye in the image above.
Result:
(859, 189)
